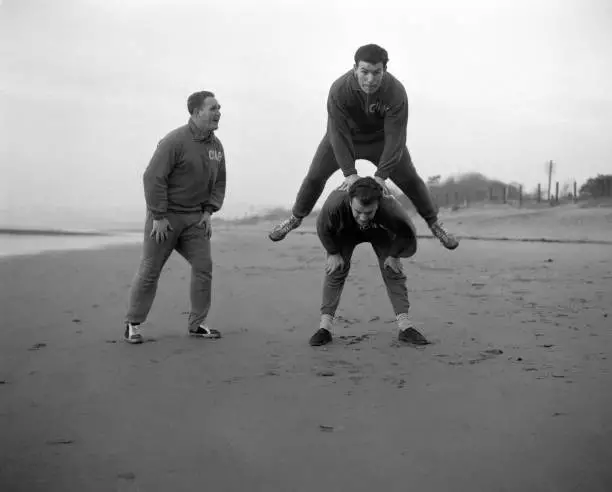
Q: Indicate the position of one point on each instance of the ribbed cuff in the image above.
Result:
(381, 175)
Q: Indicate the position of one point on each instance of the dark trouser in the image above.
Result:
(395, 283)
(324, 164)
(191, 242)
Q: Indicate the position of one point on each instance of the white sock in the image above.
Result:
(404, 321)
(327, 321)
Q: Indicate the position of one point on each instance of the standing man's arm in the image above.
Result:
(340, 133)
(155, 179)
(217, 195)
(396, 126)
(216, 198)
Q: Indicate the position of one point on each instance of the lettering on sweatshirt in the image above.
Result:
(186, 173)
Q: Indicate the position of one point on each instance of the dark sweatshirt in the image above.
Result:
(354, 116)
(336, 225)
(186, 173)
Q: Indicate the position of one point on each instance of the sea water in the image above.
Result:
(27, 244)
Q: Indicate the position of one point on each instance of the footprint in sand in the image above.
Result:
(354, 339)
(234, 379)
(395, 343)
(485, 355)
(482, 356)
(58, 442)
(397, 382)
(126, 476)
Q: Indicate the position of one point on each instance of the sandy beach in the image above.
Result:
(513, 394)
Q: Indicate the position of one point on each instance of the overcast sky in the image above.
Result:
(88, 87)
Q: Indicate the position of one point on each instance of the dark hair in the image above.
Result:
(366, 190)
(372, 53)
(196, 100)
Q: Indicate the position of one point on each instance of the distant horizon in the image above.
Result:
(67, 218)
(62, 219)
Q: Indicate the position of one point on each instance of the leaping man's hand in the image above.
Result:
(383, 184)
(348, 181)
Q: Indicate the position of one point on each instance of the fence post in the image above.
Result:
(539, 197)
(575, 194)
(520, 196)
(557, 192)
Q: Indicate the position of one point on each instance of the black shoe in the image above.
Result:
(410, 335)
(321, 337)
(204, 331)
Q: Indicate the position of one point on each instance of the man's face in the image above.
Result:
(363, 214)
(369, 76)
(207, 117)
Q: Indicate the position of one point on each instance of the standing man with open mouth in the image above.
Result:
(184, 184)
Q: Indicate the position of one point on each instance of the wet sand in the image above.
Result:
(513, 395)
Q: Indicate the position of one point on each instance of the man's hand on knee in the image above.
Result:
(394, 264)
(383, 184)
(333, 263)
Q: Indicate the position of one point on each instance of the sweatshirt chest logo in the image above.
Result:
(379, 108)
(215, 155)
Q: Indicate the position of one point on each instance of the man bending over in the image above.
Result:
(365, 215)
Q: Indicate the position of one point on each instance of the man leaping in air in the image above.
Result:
(367, 119)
